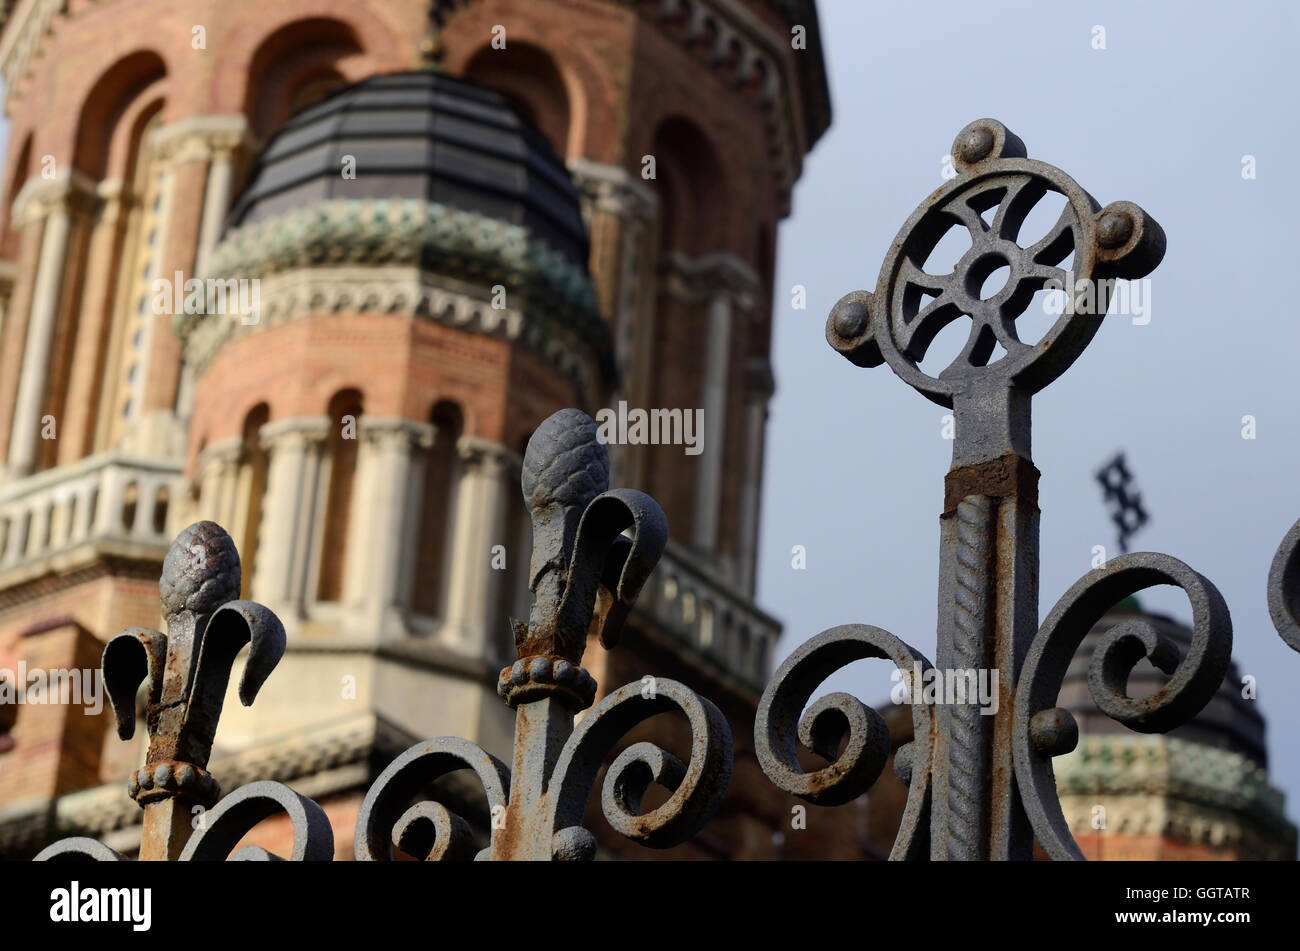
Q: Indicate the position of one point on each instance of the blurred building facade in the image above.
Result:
(461, 217)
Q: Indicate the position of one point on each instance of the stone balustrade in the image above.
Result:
(690, 602)
(108, 497)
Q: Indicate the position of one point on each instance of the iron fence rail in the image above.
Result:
(980, 784)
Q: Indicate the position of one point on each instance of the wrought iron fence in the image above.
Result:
(979, 786)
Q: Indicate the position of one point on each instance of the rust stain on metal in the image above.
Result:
(1008, 476)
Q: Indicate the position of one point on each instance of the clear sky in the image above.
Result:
(1162, 116)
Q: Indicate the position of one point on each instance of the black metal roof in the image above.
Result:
(419, 135)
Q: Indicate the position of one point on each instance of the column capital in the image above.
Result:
(223, 450)
(396, 431)
(492, 457)
(201, 139)
(613, 189)
(71, 191)
(710, 275)
(297, 432)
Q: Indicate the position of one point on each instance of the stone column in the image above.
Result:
(422, 436)
(60, 515)
(708, 485)
(356, 556)
(85, 378)
(112, 494)
(308, 524)
(759, 392)
(474, 596)
(282, 547)
(729, 288)
(56, 203)
(226, 501)
(216, 201)
(146, 490)
(216, 467)
(383, 528)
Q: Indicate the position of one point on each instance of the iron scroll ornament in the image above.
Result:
(1284, 588)
(225, 825)
(186, 672)
(1041, 730)
(897, 323)
(594, 549)
(982, 787)
(585, 575)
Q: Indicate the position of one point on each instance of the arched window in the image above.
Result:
(113, 145)
(531, 82)
(253, 465)
(691, 186)
(141, 261)
(345, 415)
(293, 69)
(437, 505)
(320, 86)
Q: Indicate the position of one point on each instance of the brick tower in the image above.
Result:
(416, 229)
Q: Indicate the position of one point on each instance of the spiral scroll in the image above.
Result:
(223, 826)
(427, 830)
(827, 721)
(78, 849)
(1042, 730)
(697, 786)
(1284, 588)
(234, 817)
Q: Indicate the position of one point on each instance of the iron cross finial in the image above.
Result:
(988, 384)
(979, 772)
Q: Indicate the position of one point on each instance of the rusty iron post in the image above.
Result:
(200, 590)
(593, 550)
(186, 672)
(979, 782)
